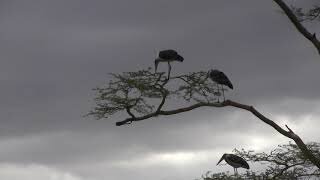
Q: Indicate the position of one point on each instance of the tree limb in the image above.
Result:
(293, 18)
(132, 90)
(286, 168)
(290, 134)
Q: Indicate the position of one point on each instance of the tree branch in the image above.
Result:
(293, 18)
(290, 134)
(129, 112)
(286, 168)
(163, 100)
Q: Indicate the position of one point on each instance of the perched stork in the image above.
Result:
(220, 78)
(234, 161)
(167, 56)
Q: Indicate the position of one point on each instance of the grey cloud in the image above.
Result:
(54, 52)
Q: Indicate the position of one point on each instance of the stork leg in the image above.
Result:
(218, 93)
(169, 67)
(156, 62)
(223, 93)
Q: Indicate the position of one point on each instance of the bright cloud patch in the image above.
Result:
(33, 172)
(172, 158)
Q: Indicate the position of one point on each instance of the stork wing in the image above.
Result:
(228, 83)
(226, 80)
(168, 54)
(239, 160)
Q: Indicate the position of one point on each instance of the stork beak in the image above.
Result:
(222, 158)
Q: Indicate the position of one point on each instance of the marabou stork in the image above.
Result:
(167, 56)
(234, 161)
(220, 78)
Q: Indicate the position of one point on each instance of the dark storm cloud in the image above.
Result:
(54, 52)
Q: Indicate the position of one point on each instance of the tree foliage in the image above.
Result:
(284, 162)
(137, 92)
(307, 15)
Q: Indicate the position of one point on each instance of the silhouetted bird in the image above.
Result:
(220, 78)
(234, 161)
(167, 56)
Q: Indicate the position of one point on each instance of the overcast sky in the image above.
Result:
(52, 53)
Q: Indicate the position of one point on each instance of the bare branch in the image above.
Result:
(295, 21)
(130, 113)
(289, 129)
(251, 109)
(163, 100)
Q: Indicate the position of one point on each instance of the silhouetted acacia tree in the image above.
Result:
(143, 94)
(284, 162)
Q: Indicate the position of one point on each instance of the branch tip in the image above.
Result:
(289, 129)
(120, 123)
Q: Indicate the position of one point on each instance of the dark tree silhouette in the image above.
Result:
(284, 162)
(137, 93)
(143, 94)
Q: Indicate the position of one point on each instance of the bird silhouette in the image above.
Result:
(234, 161)
(221, 79)
(167, 56)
